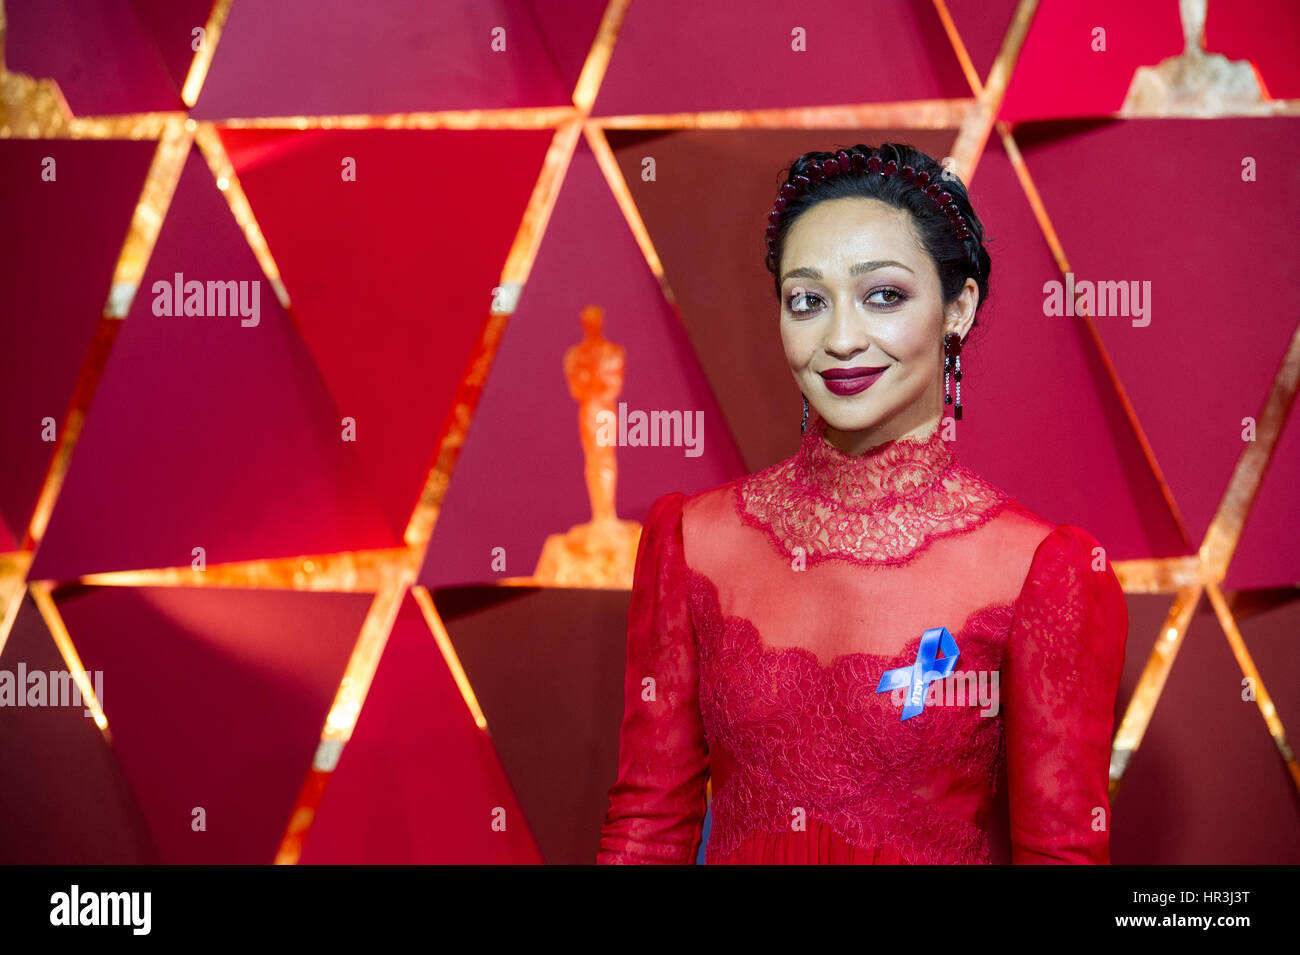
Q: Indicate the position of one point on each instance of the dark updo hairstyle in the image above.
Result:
(955, 259)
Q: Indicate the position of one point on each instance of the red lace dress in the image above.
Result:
(765, 613)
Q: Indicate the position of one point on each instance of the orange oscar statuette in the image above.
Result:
(601, 552)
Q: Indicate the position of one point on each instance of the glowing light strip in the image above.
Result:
(967, 67)
(300, 821)
(223, 171)
(342, 717)
(202, 61)
(534, 582)
(54, 621)
(526, 117)
(613, 173)
(1158, 575)
(1262, 698)
(598, 57)
(434, 620)
(129, 126)
(13, 574)
(132, 126)
(974, 133)
(155, 199)
(358, 571)
(1004, 64)
(1137, 715)
(69, 430)
(912, 114)
(541, 203)
(1225, 529)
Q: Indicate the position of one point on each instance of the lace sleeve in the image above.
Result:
(1060, 675)
(657, 805)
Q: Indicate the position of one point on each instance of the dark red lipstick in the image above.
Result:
(851, 381)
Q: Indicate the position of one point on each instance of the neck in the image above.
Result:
(914, 462)
(881, 507)
(860, 442)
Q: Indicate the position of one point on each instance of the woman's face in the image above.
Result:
(860, 294)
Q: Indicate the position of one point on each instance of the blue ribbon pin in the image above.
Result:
(925, 670)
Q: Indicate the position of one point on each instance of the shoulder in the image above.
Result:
(1072, 544)
(1033, 544)
(1014, 532)
(692, 507)
(1067, 580)
(1071, 575)
(1053, 547)
(1033, 533)
(1072, 567)
(1072, 604)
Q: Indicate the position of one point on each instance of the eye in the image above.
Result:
(802, 295)
(898, 297)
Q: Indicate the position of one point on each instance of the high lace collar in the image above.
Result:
(883, 506)
(905, 468)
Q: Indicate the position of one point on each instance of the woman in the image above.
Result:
(850, 642)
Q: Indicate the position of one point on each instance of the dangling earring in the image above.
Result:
(803, 428)
(951, 355)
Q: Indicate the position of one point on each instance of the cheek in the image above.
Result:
(798, 348)
(911, 341)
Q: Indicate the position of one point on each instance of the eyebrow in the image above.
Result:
(862, 268)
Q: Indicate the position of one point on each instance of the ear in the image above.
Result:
(960, 315)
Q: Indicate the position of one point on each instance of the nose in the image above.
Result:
(847, 333)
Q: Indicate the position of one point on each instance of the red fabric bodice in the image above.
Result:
(764, 613)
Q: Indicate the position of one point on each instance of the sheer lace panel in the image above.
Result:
(880, 507)
(838, 607)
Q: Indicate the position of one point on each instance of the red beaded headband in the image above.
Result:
(844, 162)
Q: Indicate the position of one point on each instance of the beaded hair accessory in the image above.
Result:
(845, 162)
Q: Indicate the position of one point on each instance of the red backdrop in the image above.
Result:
(200, 432)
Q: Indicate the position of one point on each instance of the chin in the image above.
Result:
(846, 419)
